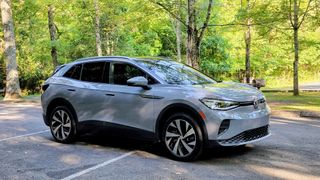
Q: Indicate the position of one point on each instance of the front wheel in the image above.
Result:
(63, 124)
(182, 137)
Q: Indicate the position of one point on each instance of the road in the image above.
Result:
(311, 86)
(28, 151)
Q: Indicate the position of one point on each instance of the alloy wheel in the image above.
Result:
(61, 125)
(180, 138)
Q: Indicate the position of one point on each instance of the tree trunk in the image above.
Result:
(178, 39)
(296, 64)
(192, 36)
(248, 45)
(296, 49)
(53, 35)
(12, 76)
(177, 27)
(193, 50)
(97, 28)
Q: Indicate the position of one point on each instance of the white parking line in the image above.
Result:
(72, 176)
(24, 135)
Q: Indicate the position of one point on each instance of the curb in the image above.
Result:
(287, 90)
(310, 114)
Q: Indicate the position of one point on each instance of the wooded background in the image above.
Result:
(237, 40)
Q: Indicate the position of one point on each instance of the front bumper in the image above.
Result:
(246, 125)
(246, 137)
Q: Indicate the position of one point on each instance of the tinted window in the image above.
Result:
(94, 72)
(123, 72)
(74, 72)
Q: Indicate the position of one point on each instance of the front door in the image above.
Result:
(131, 106)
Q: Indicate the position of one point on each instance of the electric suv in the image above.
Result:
(155, 99)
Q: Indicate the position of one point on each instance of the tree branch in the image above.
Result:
(205, 24)
(304, 14)
(290, 14)
(57, 29)
(171, 13)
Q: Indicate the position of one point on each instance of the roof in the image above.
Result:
(124, 58)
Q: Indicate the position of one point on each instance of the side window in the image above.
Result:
(74, 72)
(93, 72)
(123, 72)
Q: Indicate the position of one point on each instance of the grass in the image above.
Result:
(307, 101)
(287, 82)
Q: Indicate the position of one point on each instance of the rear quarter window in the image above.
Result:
(74, 72)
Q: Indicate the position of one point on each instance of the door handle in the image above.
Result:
(71, 89)
(108, 94)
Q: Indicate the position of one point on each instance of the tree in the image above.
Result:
(194, 34)
(53, 35)
(177, 28)
(97, 27)
(296, 23)
(12, 77)
(247, 37)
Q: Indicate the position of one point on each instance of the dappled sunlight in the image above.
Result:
(300, 121)
(146, 155)
(12, 117)
(277, 172)
(275, 122)
(70, 159)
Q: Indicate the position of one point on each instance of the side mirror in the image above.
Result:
(139, 81)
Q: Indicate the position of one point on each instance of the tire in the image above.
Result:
(182, 137)
(63, 124)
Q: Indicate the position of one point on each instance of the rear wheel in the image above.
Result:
(62, 124)
(182, 137)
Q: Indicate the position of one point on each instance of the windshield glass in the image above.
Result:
(175, 73)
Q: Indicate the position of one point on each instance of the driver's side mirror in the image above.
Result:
(139, 81)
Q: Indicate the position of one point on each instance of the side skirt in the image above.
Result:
(115, 130)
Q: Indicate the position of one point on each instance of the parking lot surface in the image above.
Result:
(27, 151)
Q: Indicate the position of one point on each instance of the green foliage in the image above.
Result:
(143, 28)
(214, 57)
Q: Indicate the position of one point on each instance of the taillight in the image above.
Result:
(44, 87)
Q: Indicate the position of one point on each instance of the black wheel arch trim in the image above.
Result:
(56, 102)
(181, 106)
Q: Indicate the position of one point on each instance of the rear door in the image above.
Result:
(88, 95)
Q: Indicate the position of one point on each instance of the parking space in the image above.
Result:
(28, 151)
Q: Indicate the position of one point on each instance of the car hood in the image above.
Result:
(231, 91)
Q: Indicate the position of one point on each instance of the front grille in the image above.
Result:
(246, 136)
(249, 103)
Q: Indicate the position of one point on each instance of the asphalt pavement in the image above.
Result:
(27, 151)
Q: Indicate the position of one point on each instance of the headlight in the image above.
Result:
(219, 104)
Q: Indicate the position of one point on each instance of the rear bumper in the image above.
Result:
(45, 119)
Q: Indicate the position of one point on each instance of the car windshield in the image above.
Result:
(175, 73)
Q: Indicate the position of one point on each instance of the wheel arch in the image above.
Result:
(182, 108)
(59, 102)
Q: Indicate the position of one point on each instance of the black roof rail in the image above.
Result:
(100, 57)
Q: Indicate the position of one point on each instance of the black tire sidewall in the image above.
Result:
(73, 131)
(199, 136)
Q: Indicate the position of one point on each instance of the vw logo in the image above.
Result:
(255, 104)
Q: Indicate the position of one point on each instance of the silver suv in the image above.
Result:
(155, 99)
